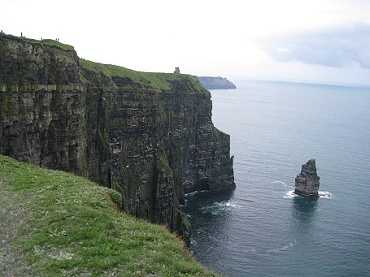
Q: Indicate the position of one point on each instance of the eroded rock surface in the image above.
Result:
(307, 182)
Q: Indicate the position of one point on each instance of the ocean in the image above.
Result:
(261, 228)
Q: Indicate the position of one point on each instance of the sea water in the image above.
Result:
(262, 228)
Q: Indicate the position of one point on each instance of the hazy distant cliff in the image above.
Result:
(147, 135)
(216, 83)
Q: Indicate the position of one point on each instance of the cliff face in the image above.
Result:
(147, 135)
(216, 82)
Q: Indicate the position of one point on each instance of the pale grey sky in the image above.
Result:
(324, 40)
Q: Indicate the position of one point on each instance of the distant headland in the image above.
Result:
(216, 82)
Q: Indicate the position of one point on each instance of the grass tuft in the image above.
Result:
(115, 196)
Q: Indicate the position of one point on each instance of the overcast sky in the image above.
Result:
(323, 40)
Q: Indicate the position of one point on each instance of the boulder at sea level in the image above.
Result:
(307, 182)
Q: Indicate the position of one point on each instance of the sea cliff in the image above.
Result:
(149, 136)
(216, 82)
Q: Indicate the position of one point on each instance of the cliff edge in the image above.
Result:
(149, 136)
(54, 223)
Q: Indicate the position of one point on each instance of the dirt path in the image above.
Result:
(12, 217)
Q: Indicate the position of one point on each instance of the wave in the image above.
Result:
(219, 207)
(290, 194)
(285, 247)
(194, 192)
(322, 194)
(228, 204)
(279, 182)
(325, 194)
(282, 183)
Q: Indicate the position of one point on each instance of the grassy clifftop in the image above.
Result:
(42, 42)
(125, 78)
(57, 224)
(49, 61)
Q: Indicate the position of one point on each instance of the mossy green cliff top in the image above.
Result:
(144, 81)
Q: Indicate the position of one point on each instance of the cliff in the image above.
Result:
(147, 135)
(216, 83)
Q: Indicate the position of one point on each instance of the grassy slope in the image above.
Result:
(70, 226)
(44, 42)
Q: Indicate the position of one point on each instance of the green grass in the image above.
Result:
(45, 42)
(162, 163)
(51, 42)
(153, 81)
(72, 227)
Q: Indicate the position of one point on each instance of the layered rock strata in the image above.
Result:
(307, 182)
(148, 135)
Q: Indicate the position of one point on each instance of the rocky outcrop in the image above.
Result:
(147, 135)
(307, 182)
(216, 83)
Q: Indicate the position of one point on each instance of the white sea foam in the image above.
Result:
(193, 242)
(283, 183)
(279, 182)
(325, 194)
(194, 192)
(228, 204)
(285, 247)
(218, 207)
(290, 194)
(322, 194)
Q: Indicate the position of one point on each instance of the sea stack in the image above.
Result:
(307, 182)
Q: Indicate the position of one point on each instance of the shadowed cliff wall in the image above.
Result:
(148, 135)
